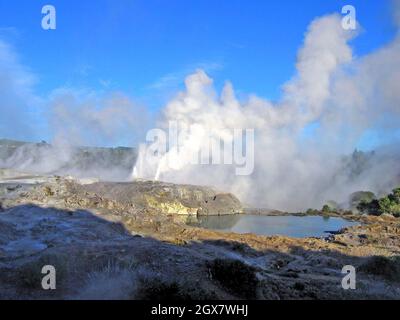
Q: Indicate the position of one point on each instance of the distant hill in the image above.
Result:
(104, 163)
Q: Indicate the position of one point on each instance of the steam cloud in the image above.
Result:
(79, 122)
(337, 97)
(18, 100)
(332, 101)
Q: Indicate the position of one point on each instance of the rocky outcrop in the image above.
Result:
(156, 196)
(166, 198)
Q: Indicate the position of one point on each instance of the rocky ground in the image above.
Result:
(131, 241)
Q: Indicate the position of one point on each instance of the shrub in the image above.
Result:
(237, 277)
(388, 204)
(159, 291)
(361, 196)
(108, 284)
(156, 289)
(326, 209)
(388, 268)
(391, 203)
(311, 211)
(372, 207)
(395, 196)
(299, 286)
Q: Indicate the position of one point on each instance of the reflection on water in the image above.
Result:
(292, 226)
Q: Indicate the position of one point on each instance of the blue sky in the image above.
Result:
(133, 45)
(145, 48)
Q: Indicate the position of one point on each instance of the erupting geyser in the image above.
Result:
(300, 141)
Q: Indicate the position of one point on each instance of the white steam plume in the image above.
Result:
(341, 97)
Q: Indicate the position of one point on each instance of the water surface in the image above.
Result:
(292, 226)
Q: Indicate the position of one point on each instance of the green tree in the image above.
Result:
(391, 203)
(361, 196)
(395, 196)
(326, 209)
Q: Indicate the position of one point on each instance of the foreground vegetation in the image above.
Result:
(389, 204)
(364, 202)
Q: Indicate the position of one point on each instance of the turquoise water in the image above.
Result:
(292, 226)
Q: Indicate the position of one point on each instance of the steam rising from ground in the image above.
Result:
(84, 118)
(326, 108)
(333, 101)
(111, 164)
